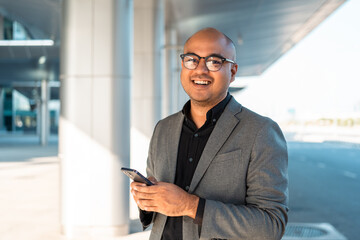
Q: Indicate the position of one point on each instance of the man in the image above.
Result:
(220, 170)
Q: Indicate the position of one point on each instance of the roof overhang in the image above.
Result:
(262, 30)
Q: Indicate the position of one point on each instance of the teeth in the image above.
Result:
(202, 82)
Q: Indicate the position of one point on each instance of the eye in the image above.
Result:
(191, 59)
(214, 61)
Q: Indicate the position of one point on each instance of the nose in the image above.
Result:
(202, 66)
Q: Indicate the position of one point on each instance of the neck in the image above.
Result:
(198, 112)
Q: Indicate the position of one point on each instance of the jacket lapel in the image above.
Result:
(173, 134)
(224, 127)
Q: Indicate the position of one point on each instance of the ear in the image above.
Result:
(233, 70)
(182, 65)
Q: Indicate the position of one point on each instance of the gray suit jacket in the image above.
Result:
(242, 174)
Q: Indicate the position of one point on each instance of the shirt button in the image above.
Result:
(196, 135)
(190, 159)
(214, 120)
(187, 188)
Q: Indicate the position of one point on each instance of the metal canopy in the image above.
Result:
(263, 30)
(42, 20)
(40, 17)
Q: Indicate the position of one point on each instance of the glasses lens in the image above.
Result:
(191, 61)
(214, 63)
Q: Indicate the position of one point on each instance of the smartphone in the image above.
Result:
(136, 176)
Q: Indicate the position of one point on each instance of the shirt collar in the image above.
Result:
(213, 114)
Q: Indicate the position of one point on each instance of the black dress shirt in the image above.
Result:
(191, 145)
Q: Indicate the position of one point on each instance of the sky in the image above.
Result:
(318, 77)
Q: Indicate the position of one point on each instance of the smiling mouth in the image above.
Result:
(201, 82)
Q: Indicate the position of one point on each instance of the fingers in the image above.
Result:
(142, 196)
(137, 184)
(145, 189)
(146, 204)
(140, 187)
(165, 198)
(150, 209)
(144, 200)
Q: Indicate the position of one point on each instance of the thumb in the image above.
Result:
(153, 180)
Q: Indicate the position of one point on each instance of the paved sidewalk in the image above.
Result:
(29, 194)
(29, 197)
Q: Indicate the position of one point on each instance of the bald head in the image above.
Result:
(212, 34)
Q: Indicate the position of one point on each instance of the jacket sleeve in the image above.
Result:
(146, 218)
(264, 215)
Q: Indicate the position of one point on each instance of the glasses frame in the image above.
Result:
(182, 56)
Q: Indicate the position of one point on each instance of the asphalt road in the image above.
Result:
(325, 185)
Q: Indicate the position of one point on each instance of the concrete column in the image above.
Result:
(175, 96)
(94, 127)
(148, 77)
(1, 108)
(38, 118)
(1, 27)
(44, 112)
(149, 66)
(172, 73)
(182, 96)
(159, 58)
(13, 111)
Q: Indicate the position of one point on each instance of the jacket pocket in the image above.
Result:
(223, 157)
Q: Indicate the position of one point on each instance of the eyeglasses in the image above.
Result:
(213, 62)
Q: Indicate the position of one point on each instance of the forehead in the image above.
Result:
(204, 45)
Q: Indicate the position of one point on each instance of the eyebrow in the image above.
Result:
(212, 54)
(191, 53)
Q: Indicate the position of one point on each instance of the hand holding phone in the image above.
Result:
(136, 176)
